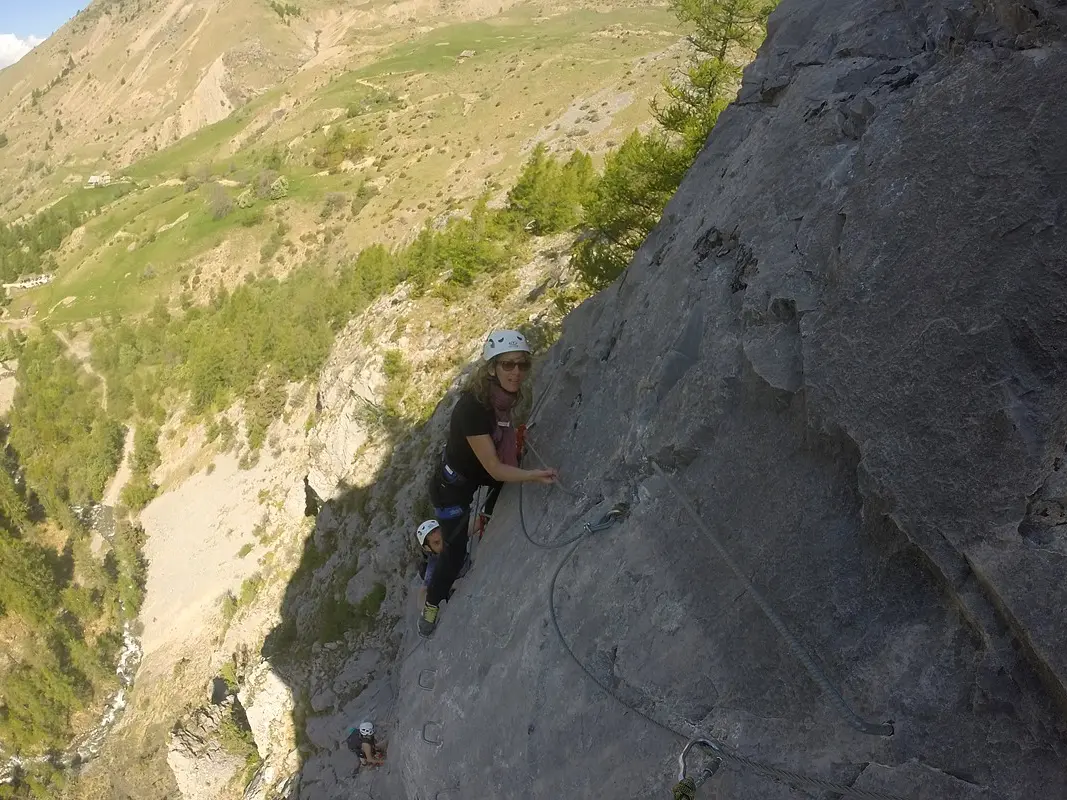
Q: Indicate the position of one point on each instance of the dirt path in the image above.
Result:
(122, 475)
(113, 490)
(82, 357)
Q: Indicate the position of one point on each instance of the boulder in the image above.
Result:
(202, 768)
(268, 703)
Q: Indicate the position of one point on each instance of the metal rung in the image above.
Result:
(427, 739)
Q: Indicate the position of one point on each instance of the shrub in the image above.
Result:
(264, 180)
(138, 492)
(220, 203)
(335, 201)
(548, 196)
(280, 188)
(340, 145)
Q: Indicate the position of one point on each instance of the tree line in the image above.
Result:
(57, 454)
(248, 342)
(642, 175)
(27, 248)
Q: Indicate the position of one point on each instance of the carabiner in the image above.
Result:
(607, 520)
(708, 771)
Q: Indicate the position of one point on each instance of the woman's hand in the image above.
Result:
(544, 475)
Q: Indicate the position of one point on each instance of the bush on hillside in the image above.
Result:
(364, 195)
(335, 202)
(548, 196)
(220, 204)
(264, 180)
(280, 188)
(274, 159)
(337, 146)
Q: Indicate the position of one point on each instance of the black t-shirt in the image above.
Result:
(469, 418)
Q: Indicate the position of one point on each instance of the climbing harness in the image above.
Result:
(846, 712)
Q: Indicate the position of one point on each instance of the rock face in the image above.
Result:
(847, 343)
(201, 767)
(268, 703)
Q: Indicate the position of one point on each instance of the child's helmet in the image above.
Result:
(425, 529)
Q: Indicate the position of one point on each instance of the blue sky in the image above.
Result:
(26, 23)
(40, 18)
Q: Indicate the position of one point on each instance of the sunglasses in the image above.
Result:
(510, 366)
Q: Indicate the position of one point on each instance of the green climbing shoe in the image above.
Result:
(428, 621)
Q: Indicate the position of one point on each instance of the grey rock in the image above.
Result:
(362, 583)
(357, 670)
(847, 342)
(374, 703)
(323, 700)
(201, 767)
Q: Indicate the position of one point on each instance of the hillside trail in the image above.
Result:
(114, 487)
(82, 358)
(118, 481)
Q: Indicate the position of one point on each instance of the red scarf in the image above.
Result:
(504, 438)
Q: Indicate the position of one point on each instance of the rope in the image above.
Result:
(795, 779)
(559, 633)
(850, 716)
(558, 483)
(687, 787)
(544, 545)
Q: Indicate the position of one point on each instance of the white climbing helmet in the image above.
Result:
(500, 342)
(425, 529)
(366, 729)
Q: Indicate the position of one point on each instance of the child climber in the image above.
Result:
(432, 544)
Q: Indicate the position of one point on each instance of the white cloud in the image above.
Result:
(12, 48)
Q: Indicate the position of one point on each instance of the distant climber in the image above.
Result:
(361, 741)
(482, 449)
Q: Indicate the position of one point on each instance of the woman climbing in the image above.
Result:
(481, 450)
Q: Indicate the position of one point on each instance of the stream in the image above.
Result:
(88, 745)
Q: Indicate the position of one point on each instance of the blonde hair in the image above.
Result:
(478, 381)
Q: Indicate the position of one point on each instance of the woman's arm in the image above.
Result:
(485, 450)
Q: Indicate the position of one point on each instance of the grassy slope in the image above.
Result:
(447, 127)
